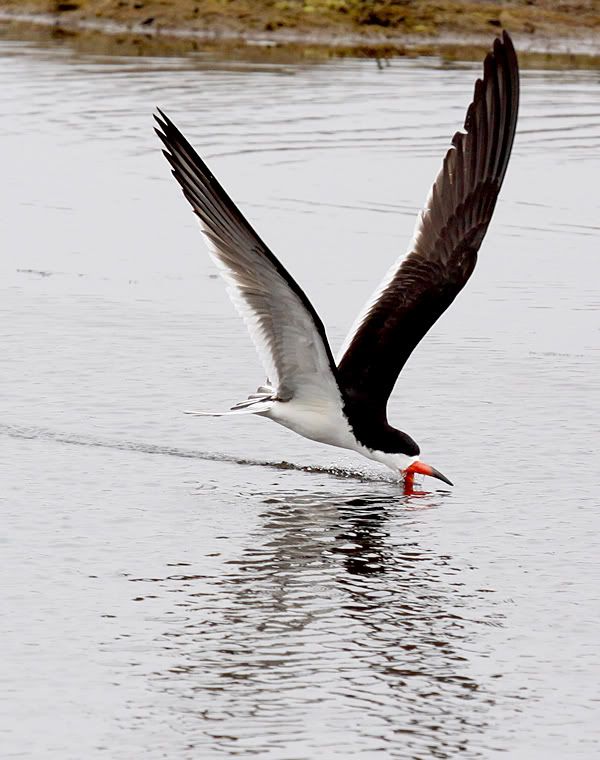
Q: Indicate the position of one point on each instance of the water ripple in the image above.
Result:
(172, 587)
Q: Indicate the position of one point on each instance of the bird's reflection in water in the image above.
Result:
(335, 629)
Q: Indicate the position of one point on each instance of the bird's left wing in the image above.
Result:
(450, 229)
(285, 328)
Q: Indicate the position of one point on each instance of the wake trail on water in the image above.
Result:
(35, 433)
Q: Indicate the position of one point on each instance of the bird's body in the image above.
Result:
(343, 403)
(331, 425)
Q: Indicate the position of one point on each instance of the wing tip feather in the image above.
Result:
(469, 182)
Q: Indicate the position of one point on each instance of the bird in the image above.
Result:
(343, 401)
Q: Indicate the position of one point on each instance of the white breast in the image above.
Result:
(326, 423)
(315, 419)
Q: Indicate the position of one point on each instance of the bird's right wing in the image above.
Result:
(285, 328)
(423, 283)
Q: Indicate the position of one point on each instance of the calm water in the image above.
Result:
(167, 591)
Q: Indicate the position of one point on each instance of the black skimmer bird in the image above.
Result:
(343, 402)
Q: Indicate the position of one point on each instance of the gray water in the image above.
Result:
(170, 589)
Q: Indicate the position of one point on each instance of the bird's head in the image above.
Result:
(401, 454)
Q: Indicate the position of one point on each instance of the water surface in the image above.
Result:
(171, 590)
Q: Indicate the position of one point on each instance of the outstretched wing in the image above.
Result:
(442, 255)
(286, 330)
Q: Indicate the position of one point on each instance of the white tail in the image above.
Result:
(256, 403)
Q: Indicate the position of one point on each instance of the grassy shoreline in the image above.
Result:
(545, 31)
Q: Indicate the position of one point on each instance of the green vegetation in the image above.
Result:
(370, 27)
(381, 16)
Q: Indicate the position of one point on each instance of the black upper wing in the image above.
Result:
(449, 232)
(287, 332)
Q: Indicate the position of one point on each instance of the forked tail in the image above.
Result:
(256, 403)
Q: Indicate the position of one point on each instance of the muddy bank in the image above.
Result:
(544, 29)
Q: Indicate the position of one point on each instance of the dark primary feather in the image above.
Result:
(290, 335)
(444, 253)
